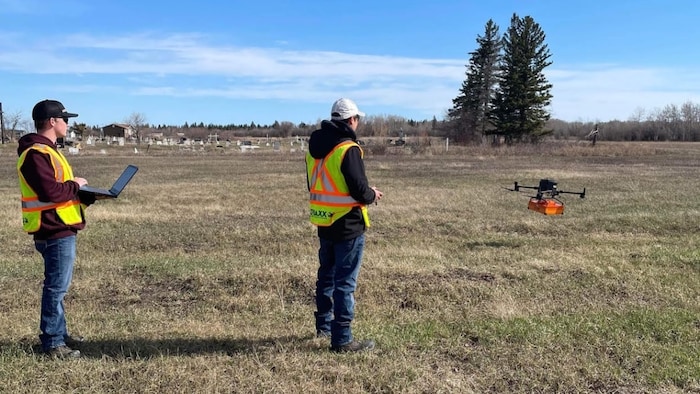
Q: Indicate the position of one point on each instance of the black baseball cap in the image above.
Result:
(50, 109)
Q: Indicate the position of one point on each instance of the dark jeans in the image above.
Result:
(335, 287)
(59, 256)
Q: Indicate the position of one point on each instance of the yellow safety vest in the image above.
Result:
(329, 197)
(70, 212)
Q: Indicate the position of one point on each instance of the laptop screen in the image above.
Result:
(125, 177)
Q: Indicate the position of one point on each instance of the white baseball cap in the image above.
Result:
(345, 108)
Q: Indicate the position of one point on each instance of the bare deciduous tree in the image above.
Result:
(11, 121)
(137, 122)
(285, 129)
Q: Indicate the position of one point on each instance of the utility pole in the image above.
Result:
(2, 125)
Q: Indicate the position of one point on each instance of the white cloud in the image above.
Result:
(607, 92)
(190, 55)
(187, 65)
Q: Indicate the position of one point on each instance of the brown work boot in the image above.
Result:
(63, 352)
(73, 340)
(354, 346)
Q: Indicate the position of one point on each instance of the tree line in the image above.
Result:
(670, 123)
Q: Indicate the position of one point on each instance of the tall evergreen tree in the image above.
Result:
(523, 91)
(471, 109)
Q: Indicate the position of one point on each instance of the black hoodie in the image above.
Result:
(321, 143)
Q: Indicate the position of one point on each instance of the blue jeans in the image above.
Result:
(335, 287)
(59, 256)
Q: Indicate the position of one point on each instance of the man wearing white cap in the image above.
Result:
(338, 197)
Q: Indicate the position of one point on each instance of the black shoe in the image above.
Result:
(323, 334)
(63, 352)
(354, 346)
(74, 340)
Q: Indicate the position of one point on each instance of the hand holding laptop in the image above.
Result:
(119, 184)
(80, 181)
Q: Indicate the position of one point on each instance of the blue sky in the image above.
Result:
(228, 61)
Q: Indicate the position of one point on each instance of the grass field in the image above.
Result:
(200, 277)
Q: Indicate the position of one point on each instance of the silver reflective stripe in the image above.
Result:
(332, 199)
(58, 166)
(314, 176)
(327, 185)
(35, 204)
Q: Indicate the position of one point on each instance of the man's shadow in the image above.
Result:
(143, 348)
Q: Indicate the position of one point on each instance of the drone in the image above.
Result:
(546, 201)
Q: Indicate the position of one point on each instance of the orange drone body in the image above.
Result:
(546, 206)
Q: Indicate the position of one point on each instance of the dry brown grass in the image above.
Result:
(200, 277)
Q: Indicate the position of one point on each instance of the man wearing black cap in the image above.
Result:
(53, 212)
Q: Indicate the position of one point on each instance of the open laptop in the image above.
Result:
(118, 186)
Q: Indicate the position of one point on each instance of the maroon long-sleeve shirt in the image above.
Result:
(39, 174)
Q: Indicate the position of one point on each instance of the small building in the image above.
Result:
(117, 130)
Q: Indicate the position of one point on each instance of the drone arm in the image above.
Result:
(580, 194)
(518, 187)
